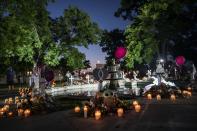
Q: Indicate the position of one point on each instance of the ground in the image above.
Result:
(155, 116)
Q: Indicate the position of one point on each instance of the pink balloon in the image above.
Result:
(180, 60)
(120, 52)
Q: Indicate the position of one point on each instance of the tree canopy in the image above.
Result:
(160, 27)
(29, 34)
(110, 40)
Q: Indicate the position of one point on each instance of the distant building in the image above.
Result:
(100, 65)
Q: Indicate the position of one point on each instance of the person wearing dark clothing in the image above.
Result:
(10, 78)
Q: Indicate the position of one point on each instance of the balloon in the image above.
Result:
(49, 75)
(180, 60)
(120, 52)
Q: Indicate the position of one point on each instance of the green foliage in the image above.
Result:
(87, 64)
(110, 41)
(76, 59)
(75, 28)
(28, 34)
(24, 29)
(159, 27)
(130, 8)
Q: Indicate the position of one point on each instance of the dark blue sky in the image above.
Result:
(101, 12)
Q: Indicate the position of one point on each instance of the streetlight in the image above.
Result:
(161, 60)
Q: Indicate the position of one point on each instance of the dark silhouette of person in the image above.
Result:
(10, 78)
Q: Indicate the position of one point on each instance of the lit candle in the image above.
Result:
(85, 109)
(184, 92)
(10, 114)
(6, 108)
(27, 112)
(97, 115)
(1, 112)
(189, 93)
(135, 103)
(3, 109)
(173, 97)
(77, 109)
(149, 96)
(137, 108)
(120, 112)
(189, 88)
(158, 97)
(20, 112)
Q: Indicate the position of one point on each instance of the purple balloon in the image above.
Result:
(180, 60)
(120, 52)
(49, 75)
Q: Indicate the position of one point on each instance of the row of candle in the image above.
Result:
(21, 112)
(11, 101)
(187, 93)
(120, 111)
(172, 96)
(5, 110)
(25, 91)
(158, 97)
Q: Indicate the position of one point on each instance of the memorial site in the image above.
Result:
(98, 65)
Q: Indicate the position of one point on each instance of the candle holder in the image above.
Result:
(1, 114)
(173, 97)
(120, 112)
(85, 109)
(27, 112)
(20, 112)
(158, 97)
(97, 115)
(149, 96)
(137, 108)
(10, 114)
(135, 103)
(77, 109)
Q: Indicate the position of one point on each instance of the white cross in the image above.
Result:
(88, 77)
(71, 79)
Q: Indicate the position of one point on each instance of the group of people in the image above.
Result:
(10, 77)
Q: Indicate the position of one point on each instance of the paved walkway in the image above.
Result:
(155, 116)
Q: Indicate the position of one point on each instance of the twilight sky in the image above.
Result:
(101, 12)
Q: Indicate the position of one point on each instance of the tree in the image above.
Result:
(87, 64)
(159, 27)
(28, 33)
(73, 29)
(25, 32)
(110, 41)
(130, 8)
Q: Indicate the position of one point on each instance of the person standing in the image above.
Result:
(10, 78)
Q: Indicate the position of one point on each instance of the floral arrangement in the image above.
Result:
(105, 104)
